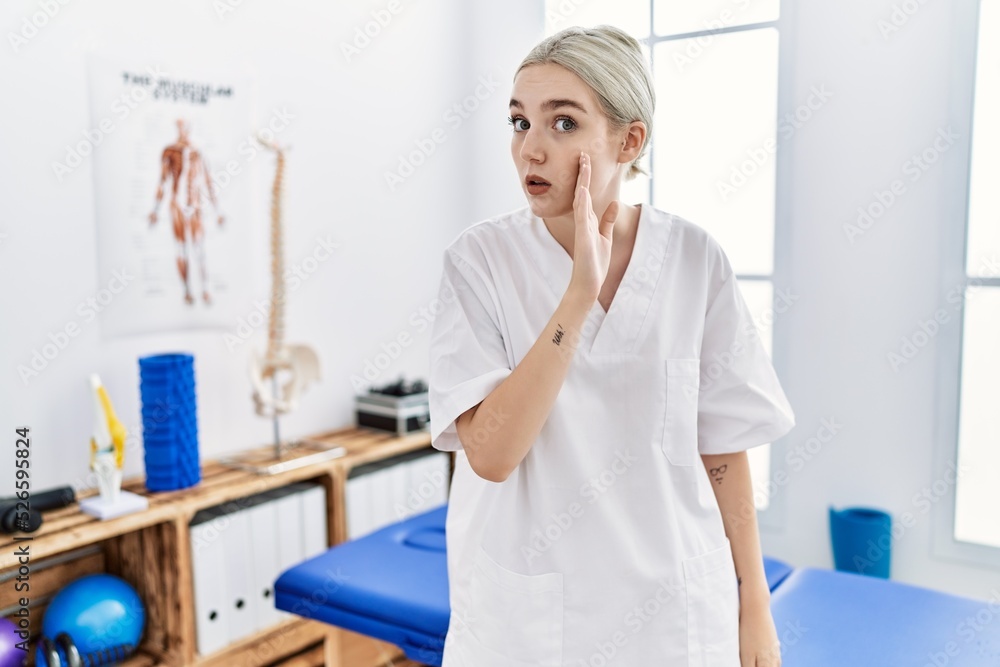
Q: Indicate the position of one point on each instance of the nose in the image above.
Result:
(531, 146)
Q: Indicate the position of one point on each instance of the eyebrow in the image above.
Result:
(551, 105)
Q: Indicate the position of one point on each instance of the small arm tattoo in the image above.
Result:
(716, 473)
(559, 334)
(739, 581)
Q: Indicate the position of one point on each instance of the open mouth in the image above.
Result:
(536, 185)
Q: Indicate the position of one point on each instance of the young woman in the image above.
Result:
(598, 372)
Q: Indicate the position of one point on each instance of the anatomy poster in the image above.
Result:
(172, 193)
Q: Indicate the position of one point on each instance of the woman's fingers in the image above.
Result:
(581, 200)
(582, 205)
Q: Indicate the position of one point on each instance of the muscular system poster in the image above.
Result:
(172, 198)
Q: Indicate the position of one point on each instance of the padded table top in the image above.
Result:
(397, 575)
(827, 618)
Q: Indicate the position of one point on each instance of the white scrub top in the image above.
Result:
(606, 545)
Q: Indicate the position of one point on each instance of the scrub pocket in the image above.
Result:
(713, 609)
(516, 619)
(680, 415)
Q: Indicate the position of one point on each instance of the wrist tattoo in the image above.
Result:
(716, 473)
(559, 334)
(739, 581)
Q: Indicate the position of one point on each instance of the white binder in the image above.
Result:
(381, 492)
(399, 487)
(288, 522)
(359, 506)
(208, 564)
(264, 560)
(314, 524)
(428, 482)
(240, 588)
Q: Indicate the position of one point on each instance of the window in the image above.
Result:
(715, 132)
(977, 495)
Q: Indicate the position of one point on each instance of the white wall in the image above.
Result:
(890, 97)
(355, 120)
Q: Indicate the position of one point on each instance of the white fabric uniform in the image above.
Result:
(606, 545)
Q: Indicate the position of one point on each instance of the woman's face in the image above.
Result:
(556, 116)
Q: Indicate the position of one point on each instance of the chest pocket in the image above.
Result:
(680, 415)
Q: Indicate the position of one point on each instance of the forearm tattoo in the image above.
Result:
(559, 334)
(717, 473)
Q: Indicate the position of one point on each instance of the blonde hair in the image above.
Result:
(612, 63)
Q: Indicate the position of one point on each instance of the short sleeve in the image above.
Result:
(468, 358)
(741, 403)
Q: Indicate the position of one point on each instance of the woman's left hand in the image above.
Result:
(759, 646)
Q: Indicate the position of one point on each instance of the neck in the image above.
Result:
(563, 227)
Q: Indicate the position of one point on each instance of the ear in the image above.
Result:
(632, 139)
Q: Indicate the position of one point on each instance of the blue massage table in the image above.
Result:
(392, 584)
(827, 618)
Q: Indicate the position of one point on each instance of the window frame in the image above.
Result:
(772, 516)
(954, 241)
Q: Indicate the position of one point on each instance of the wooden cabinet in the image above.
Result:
(152, 551)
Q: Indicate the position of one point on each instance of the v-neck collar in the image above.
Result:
(616, 330)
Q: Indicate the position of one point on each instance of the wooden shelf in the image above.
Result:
(152, 551)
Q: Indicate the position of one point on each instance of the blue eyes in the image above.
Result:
(564, 119)
(562, 124)
(516, 123)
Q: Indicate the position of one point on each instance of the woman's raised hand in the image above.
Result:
(592, 242)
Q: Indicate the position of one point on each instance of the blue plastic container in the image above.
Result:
(862, 540)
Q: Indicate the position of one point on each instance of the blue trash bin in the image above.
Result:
(862, 540)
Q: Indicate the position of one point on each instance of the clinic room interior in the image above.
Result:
(229, 231)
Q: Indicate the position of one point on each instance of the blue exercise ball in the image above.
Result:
(103, 615)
